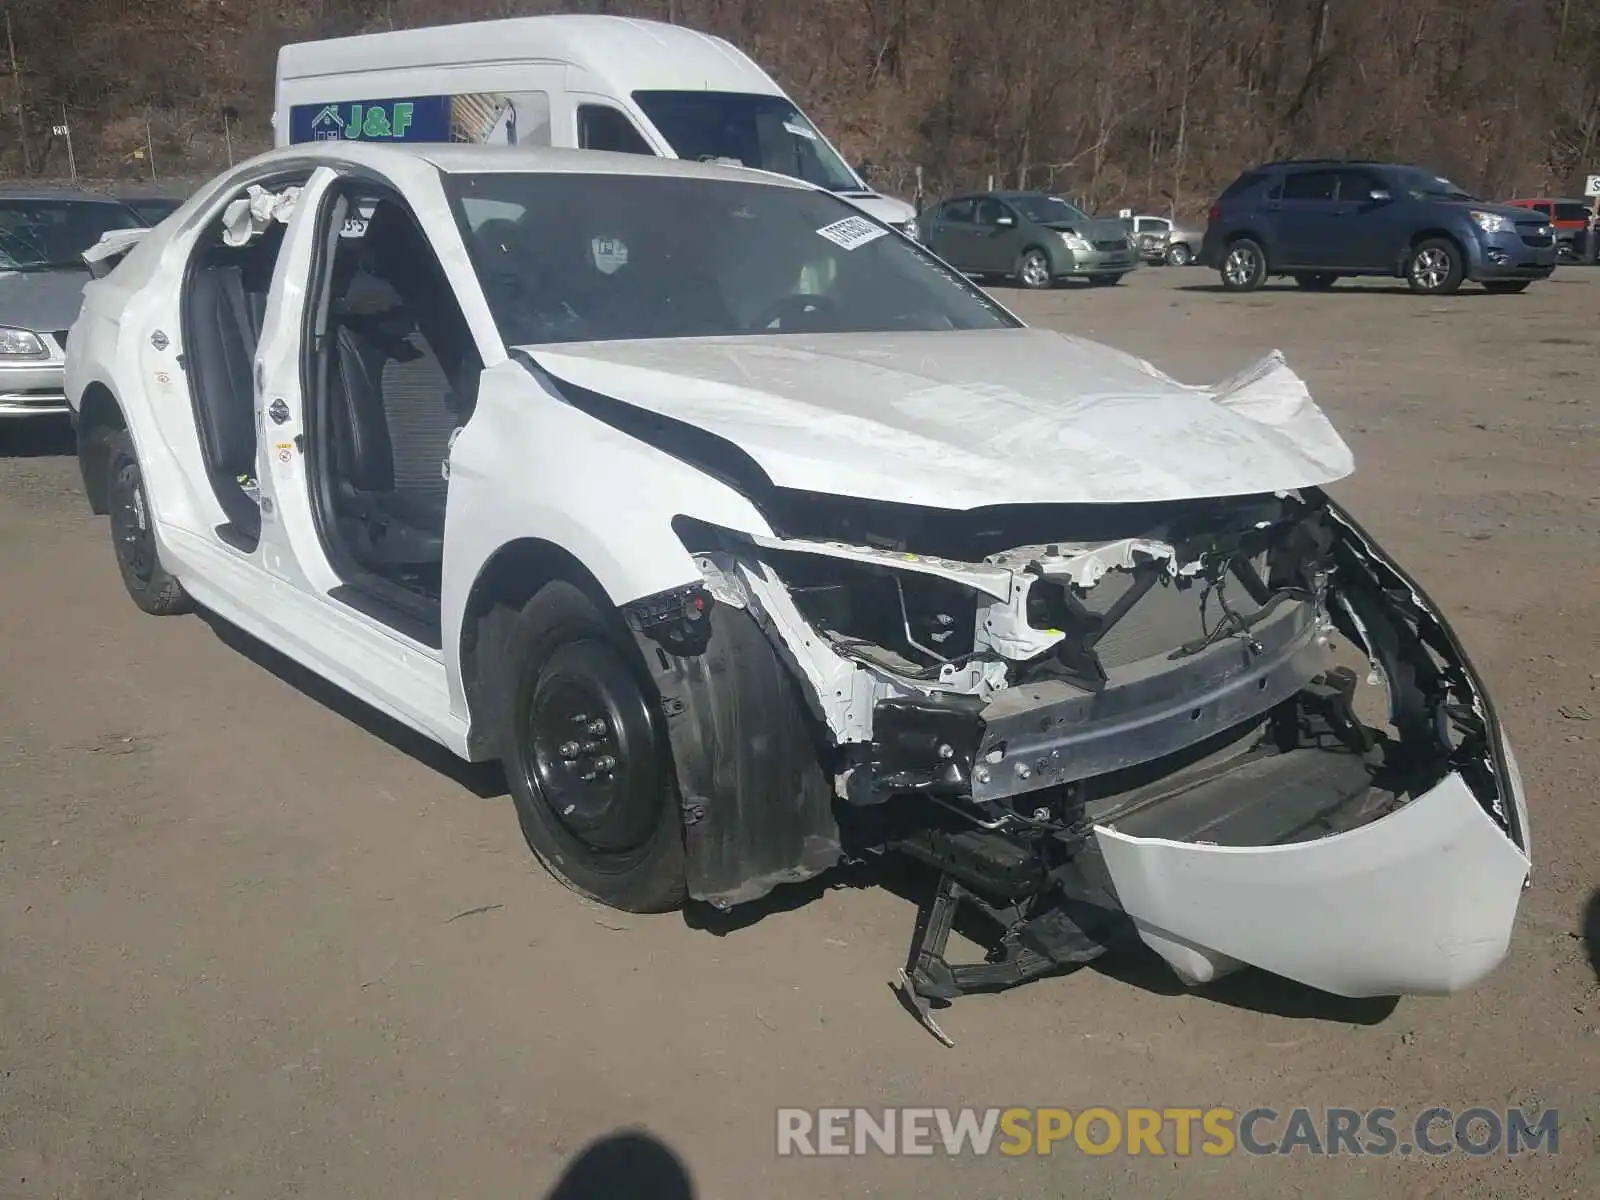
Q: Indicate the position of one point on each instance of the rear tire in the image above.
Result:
(133, 535)
(588, 766)
(1319, 282)
(1435, 268)
(1179, 255)
(1506, 286)
(1244, 266)
(1104, 280)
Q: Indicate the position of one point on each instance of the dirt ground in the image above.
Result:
(257, 943)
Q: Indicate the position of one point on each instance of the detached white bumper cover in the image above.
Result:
(1419, 901)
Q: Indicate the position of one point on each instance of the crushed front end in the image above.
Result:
(1232, 728)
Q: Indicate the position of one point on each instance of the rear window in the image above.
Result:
(1572, 212)
(1242, 184)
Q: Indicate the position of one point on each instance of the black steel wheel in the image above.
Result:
(589, 768)
(133, 534)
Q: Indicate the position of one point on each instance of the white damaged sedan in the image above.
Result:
(751, 539)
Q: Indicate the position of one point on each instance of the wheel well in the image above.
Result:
(1444, 235)
(508, 580)
(98, 412)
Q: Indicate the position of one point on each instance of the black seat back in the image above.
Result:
(362, 452)
(222, 360)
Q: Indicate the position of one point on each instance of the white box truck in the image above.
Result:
(590, 82)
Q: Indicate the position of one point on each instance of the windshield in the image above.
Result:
(1046, 209)
(572, 258)
(38, 235)
(1423, 186)
(743, 129)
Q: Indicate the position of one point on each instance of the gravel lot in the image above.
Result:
(258, 943)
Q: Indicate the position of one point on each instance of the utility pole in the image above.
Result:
(16, 83)
(65, 130)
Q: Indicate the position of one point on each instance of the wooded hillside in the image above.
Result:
(1146, 102)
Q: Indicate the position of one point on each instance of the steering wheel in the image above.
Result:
(799, 306)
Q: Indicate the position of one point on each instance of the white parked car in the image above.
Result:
(751, 537)
(1162, 240)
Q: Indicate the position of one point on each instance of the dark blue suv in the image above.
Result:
(1318, 219)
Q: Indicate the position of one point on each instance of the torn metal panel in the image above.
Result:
(1042, 735)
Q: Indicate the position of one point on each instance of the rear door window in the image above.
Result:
(1242, 184)
(1310, 185)
(1572, 212)
(957, 212)
(1356, 187)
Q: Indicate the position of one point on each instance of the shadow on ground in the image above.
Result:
(484, 780)
(1591, 933)
(1128, 962)
(1248, 989)
(631, 1165)
(37, 437)
(1348, 288)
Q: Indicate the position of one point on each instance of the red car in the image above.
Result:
(1572, 220)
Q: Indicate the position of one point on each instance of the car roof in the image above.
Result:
(456, 158)
(995, 195)
(1327, 162)
(627, 53)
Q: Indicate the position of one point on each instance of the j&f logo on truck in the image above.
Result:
(363, 121)
(391, 119)
(1167, 1132)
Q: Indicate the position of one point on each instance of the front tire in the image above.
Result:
(133, 534)
(1506, 286)
(1435, 268)
(1033, 269)
(588, 767)
(1104, 280)
(1319, 282)
(1244, 266)
(1179, 255)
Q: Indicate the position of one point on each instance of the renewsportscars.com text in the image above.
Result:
(1175, 1132)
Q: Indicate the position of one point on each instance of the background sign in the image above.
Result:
(1592, 186)
(409, 119)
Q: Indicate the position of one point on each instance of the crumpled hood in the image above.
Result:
(43, 301)
(1095, 229)
(964, 420)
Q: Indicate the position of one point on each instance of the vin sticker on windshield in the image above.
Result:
(852, 232)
